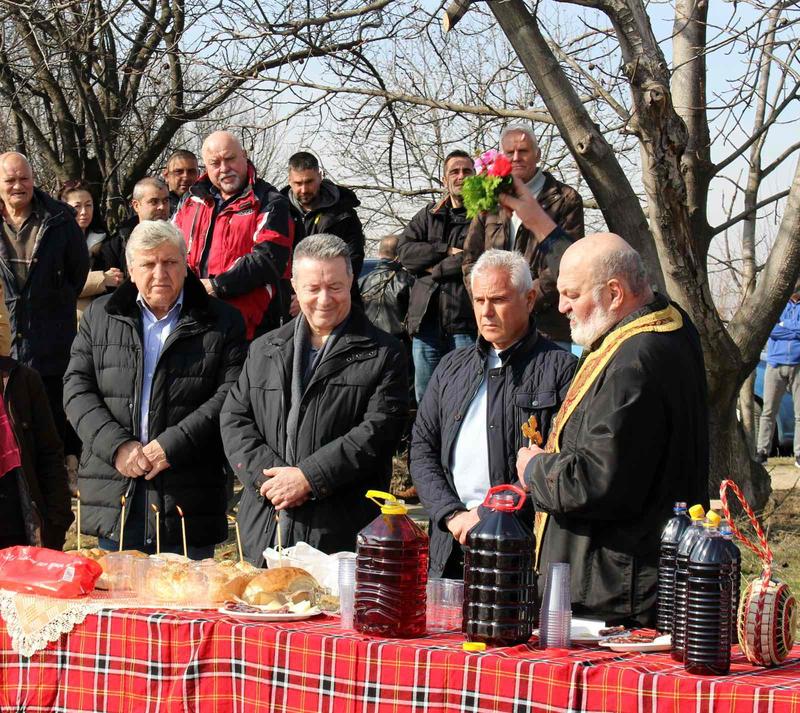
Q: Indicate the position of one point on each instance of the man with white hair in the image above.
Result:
(468, 428)
(239, 232)
(543, 243)
(317, 413)
(150, 369)
(631, 438)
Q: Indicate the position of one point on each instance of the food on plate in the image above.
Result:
(611, 630)
(299, 609)
(632, 638)
(274, 588)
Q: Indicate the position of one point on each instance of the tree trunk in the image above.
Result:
(747, 412)
(595, 157)
(729, 455)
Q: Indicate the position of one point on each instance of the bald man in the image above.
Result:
(631, 438)
(240, 232)
(46, 262)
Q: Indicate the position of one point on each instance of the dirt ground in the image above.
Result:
(781, 521)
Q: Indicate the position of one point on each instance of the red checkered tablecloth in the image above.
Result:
(168, 661)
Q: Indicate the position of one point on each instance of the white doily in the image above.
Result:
(34, 621)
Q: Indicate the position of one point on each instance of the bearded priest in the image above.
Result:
(631, 437)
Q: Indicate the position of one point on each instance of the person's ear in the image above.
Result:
(530, 299)
(617, 291)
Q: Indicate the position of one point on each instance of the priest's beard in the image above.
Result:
(588, 331)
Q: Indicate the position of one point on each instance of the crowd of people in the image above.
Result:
(223, 331)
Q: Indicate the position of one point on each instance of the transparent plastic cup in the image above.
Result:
(445, 605)
(556, 614)
(347, 590)
(118, 570)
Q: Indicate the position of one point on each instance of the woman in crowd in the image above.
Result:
(76, 194)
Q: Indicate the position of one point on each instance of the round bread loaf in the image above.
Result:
(281, 585)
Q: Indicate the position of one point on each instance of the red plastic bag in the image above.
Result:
(36, 570)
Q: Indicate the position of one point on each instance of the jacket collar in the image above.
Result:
(358, 332)
(202, 187)
(196, 302)
(445, 203)
(519, 349)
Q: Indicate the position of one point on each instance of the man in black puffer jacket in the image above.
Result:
(150, 369)
(467, 432)
(326, 208)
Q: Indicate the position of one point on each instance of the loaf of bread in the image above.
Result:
(280, 586)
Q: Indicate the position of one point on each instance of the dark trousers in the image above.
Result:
(54, 388)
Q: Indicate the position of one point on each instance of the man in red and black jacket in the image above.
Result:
(239, 231)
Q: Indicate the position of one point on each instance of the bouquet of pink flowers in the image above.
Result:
(492, 177)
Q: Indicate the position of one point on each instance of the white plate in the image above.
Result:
(660, 643)
(271, 615)
(585, 631)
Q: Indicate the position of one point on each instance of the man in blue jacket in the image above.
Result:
(782, 374)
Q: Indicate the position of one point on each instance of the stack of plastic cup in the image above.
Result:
(555, 617)
(347, 590)
(445, 604)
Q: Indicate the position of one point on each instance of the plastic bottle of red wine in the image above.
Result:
(670, 537)
(499, 584)
(690, 536)
(391, 572)
(709, 603)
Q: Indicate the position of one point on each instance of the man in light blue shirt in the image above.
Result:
(147, 378)
(155, 332)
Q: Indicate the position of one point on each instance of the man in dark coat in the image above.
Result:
(314, 419)
(149, 372)
(180, 174)
(45, 262)
(505, 231)
(630, 440)
(467, 431)
(325, 206)
(440, 315)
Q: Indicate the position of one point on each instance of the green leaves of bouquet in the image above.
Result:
(492, 177)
